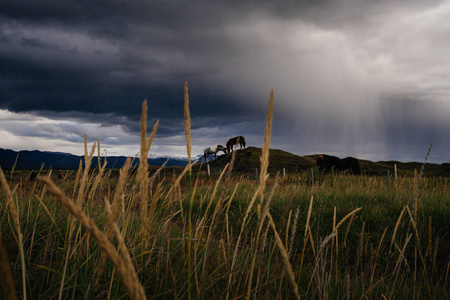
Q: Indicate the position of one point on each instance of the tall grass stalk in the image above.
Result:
(79, 200)
(14, 213)
(98, 179)
(143, 171)
(265, 150)
(156, 194)
(285, 256)
(262, 219)
(113, 215)
(187, 122)
(190, 235)
(416, 192)
(128, 275)
(14, 167)
(307, 233)
(6, 279)
(401, 257)
(233, 158)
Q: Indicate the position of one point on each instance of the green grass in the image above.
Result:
(360, 262)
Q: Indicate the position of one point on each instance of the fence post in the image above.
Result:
(284, 172)
(312, 176)
(209, 170)
(389, 188)
(395, 170)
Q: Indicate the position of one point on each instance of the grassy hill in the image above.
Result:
(247, 161)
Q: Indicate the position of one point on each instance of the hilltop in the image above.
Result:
(247, 161)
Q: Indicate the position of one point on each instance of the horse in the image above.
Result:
(213, 150)
(234, 141)
(327, 163)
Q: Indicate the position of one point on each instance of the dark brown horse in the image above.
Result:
(234, 142)
(327, 163)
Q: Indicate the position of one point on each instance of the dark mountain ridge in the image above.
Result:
(33, 160)
(246, 162)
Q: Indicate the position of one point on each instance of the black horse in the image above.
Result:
(328, 163)
(234, 142)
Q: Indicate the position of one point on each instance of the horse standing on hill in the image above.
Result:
(327, 163)
(234, 142)
(213, 150)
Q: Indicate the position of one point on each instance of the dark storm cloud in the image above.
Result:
(109, 56)
(338, 69)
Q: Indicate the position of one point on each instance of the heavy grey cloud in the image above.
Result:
(362, 78)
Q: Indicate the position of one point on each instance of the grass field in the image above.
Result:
(95, 234)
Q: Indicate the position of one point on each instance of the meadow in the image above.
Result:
(96, 234)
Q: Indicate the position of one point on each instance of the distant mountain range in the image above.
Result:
(246, 161)
(33, 160)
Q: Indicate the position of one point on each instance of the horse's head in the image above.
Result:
(206, 153)
(242, 141)
(318, 158)
(229, 145)
(320, 162)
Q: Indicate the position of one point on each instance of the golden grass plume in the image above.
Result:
(187, 121)
(128, 276)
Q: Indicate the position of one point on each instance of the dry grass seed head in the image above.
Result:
(187, 121)
(396, 226)
(134, 288)
(118, 197)
(267, 134)
(285, 256)
(85, 177)
(143, 170)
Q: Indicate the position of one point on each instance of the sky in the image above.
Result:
(362, 78)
